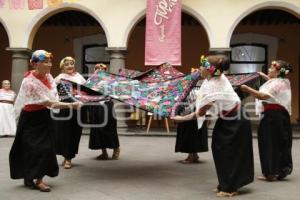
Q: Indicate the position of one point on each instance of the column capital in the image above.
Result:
(225, 51)
(19, 49)
(116, 52)
(22, 53)
(116, 49)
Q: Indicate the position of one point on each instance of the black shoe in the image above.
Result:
(28, 183)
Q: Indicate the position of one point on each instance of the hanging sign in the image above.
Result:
(163, 32)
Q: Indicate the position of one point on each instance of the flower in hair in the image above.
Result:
(217, 73)
(276, 65)
(208, 66)
(204, 62)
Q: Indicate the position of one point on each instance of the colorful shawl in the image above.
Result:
(160, 73)
(237, 80)
(157, 97)
(159, 90)
(188, 105)
(71, 92)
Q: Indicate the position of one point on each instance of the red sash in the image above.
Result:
(271, 106)
(227, 113)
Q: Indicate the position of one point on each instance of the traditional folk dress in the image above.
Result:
(275, 132)
(189, 138)
(106, 135)
(76, 78)
(32, 155)
(67, 131)
(232, 135)
(7, 113)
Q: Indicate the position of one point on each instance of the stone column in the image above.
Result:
(20, 64)
(117, 61)
(117, 58)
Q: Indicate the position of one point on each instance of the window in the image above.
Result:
(247, 58)
(93, 54)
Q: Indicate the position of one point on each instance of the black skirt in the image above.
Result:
(107, 135)
(275, 143)
(67, 134)
(233, 153)
(32, 155)
(190, 139)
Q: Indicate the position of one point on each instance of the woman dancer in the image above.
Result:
(32, 155)
(274, 132)
(232, 139)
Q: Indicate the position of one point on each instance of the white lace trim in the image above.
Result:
(76, 78)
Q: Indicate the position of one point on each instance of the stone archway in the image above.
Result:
(281, 5)
(71, 33)
(186, 9)
(48, 12)
(194, 43)
(278, 30)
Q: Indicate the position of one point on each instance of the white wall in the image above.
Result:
(118, 17)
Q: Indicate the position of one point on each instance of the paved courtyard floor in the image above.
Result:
(148, 169)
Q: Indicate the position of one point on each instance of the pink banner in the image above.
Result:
(35, 4)
(163, 32)
(2, 2)
(16, 4)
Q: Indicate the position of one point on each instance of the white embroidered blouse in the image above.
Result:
(33, 91)
(218, 91)
(279, 90)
